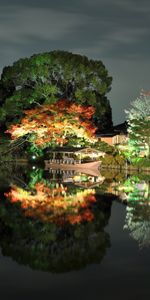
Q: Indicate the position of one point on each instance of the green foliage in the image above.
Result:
(76, 141)
(113, 159)
(139, 124)
(139, 133)
(44, 78)
(142, 162)
(2, 114)
(119, 160)
(108, 159)
(35, 176)
(33, 149)
(104, 147)
(9, 151)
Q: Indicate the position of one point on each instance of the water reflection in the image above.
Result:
(135, 191)
(54, 224)
(137, 222)
(54, 203)
(55, 221)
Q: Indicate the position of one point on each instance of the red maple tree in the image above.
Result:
(55, 123)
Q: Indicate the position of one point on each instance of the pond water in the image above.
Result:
(72, 235)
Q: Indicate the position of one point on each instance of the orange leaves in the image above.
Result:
(76, 109)
(54, 205)
(89, 112)
(86, 112)
(54, 122)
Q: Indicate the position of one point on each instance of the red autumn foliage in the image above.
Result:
(55, 123)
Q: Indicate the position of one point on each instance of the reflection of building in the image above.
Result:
(76, 178)
(91, 168)
(86, 181)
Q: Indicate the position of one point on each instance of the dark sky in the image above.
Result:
(114, 31)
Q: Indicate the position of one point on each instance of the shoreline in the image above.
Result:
(125, 168)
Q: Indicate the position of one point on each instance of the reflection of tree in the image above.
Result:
(66, 234)
(54, 204)
(134, 189)
(138, 223)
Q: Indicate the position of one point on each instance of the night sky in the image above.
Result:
(114, 31)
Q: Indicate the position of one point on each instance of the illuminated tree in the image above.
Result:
(138, 118)
(140, 107)
(55, 124)
(45, 78)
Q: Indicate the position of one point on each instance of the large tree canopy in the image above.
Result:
(45, 78)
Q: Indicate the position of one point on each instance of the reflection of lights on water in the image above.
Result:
(33, 167)
(33, 157)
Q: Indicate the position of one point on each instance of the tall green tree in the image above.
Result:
(47, 77)
(138, 118)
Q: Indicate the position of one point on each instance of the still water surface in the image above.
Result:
(69, 235)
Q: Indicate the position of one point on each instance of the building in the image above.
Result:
(112, 138)
(118, 135)
(73, 155)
